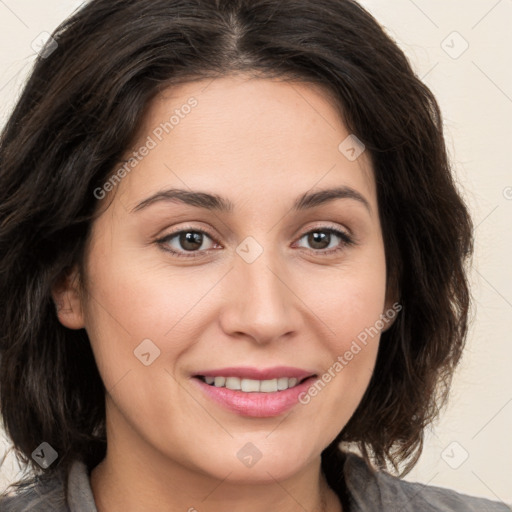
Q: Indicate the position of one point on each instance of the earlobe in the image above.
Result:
(392, 303)
(68, 301)
(390, 313)
(388, 319)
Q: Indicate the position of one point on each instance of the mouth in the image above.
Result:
(252, 385)
(253, 392)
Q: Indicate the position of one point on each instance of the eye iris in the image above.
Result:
(317, 237)
(191, 240)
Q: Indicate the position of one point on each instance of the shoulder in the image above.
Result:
(383, 491)
(54, 493)
(43, 495)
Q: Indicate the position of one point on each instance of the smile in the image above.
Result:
(254, 392)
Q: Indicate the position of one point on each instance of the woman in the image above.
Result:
(230, 242)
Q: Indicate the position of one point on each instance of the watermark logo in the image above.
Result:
(146, 352)
(352, 148)
(44, 455)
(454, 45)
(249, 250)
(455, 455)
(249, 455)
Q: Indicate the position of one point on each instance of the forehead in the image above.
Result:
(242, 130)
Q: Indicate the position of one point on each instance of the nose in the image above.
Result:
(261, 303)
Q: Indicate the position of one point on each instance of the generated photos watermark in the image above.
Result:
(344, 360)
(152, 141)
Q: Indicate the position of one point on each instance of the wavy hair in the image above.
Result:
(81, 109)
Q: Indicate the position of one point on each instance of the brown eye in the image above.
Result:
(186, 241)
(327, 240)
(190, 240)
(319, 240)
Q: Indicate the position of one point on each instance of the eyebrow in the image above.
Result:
(220, 204)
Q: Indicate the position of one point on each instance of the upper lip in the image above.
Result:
(248, 372)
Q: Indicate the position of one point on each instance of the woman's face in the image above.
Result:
(245, 280)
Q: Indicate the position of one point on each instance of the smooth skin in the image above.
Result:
(260, 144)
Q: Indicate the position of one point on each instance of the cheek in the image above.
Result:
(350, 304)
(348, 299)
(353, 320)
(352, 342)
(129, 287)
(136, 315)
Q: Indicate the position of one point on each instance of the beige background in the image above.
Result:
(470, 448)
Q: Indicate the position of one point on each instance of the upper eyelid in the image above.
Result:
(187, 229)
(320, 227)
(325, 227)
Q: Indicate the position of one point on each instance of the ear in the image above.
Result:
(68, 300)
(392, 306)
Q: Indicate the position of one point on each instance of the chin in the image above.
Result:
(246, 462)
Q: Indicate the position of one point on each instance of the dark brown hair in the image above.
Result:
(81, 109)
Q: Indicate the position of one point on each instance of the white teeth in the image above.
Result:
(252, 385)
(249, 385)
(219, 382)
(233, 383)
(282, 383)
(268, 386)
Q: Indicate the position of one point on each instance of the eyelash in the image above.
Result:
(347, 241)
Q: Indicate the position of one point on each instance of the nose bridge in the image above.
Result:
(261, 304)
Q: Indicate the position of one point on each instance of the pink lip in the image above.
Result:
(256, 405)
(247, 372)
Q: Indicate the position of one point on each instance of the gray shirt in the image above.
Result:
(368, 490)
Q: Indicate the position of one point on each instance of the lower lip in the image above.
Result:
(256, 405)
